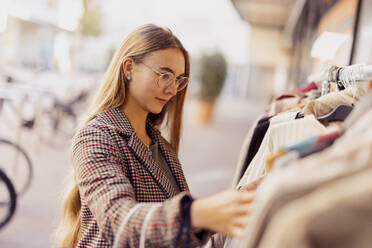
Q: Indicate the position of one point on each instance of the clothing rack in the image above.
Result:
(344, 76)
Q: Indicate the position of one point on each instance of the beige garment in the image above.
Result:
(281, 134)
(292, 182)
(338, 215)
(325, 104)
(361, 126)
(364, 105)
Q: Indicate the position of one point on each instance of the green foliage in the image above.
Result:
(91, 20)
(212, 74)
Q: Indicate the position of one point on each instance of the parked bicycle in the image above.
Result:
(13, 159)
(54, 120)
(8, 199)
(57, 124)
(17, 165)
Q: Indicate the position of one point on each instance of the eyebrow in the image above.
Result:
(164, 68)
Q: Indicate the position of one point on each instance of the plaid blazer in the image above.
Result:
(126, 199)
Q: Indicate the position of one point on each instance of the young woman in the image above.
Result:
(129, 189)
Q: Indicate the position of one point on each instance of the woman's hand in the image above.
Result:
(226, 212)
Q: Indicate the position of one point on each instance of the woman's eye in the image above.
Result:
(166, 76)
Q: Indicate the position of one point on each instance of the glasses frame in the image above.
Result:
(170, 81)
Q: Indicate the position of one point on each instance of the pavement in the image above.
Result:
(209, 155)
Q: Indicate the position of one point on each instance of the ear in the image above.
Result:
(128, 67)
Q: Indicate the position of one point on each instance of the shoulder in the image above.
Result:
(94, 127)
(93, 134)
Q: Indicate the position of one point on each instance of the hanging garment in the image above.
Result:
(255, 143)
(325, 104)
(312, 95)
(307, 88)
(295, 181)
(363, 106)
(250, 146)
(304, 148)
(337, 215)
(285, 102)
(284, 130)
(285, 160)
(279, 135)
(363, 125)
(271, 159)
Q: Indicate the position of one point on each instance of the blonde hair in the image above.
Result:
(138, 44)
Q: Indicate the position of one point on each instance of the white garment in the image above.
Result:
(281, 134)
(248, 139)
(359, 127)
(285, 160)
(283, 117)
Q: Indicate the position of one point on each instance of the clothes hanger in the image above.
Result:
(342, 111)
(299, 115)
(325, 89)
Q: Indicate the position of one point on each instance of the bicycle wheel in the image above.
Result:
(17, 165)
(8, 199)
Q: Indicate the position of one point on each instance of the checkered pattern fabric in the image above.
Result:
(115, 172)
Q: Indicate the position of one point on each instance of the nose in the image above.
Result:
(171, 89)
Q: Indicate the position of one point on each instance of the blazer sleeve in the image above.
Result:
(109, 195)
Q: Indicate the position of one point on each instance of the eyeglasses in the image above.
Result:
(166, 79)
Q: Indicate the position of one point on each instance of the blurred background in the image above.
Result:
(53, 54)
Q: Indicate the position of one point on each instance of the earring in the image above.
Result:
(129, 78)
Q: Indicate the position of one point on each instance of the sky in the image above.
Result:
(202, 25)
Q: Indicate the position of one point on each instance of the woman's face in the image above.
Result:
(143, 88)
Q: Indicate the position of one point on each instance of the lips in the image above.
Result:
(161, 100)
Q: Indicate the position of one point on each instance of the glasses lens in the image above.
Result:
(182, 83)
(165, 79)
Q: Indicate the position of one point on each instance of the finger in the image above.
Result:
(244, 210)
(253, 185)
(246, 197)
(241, 222)
(250, 187)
